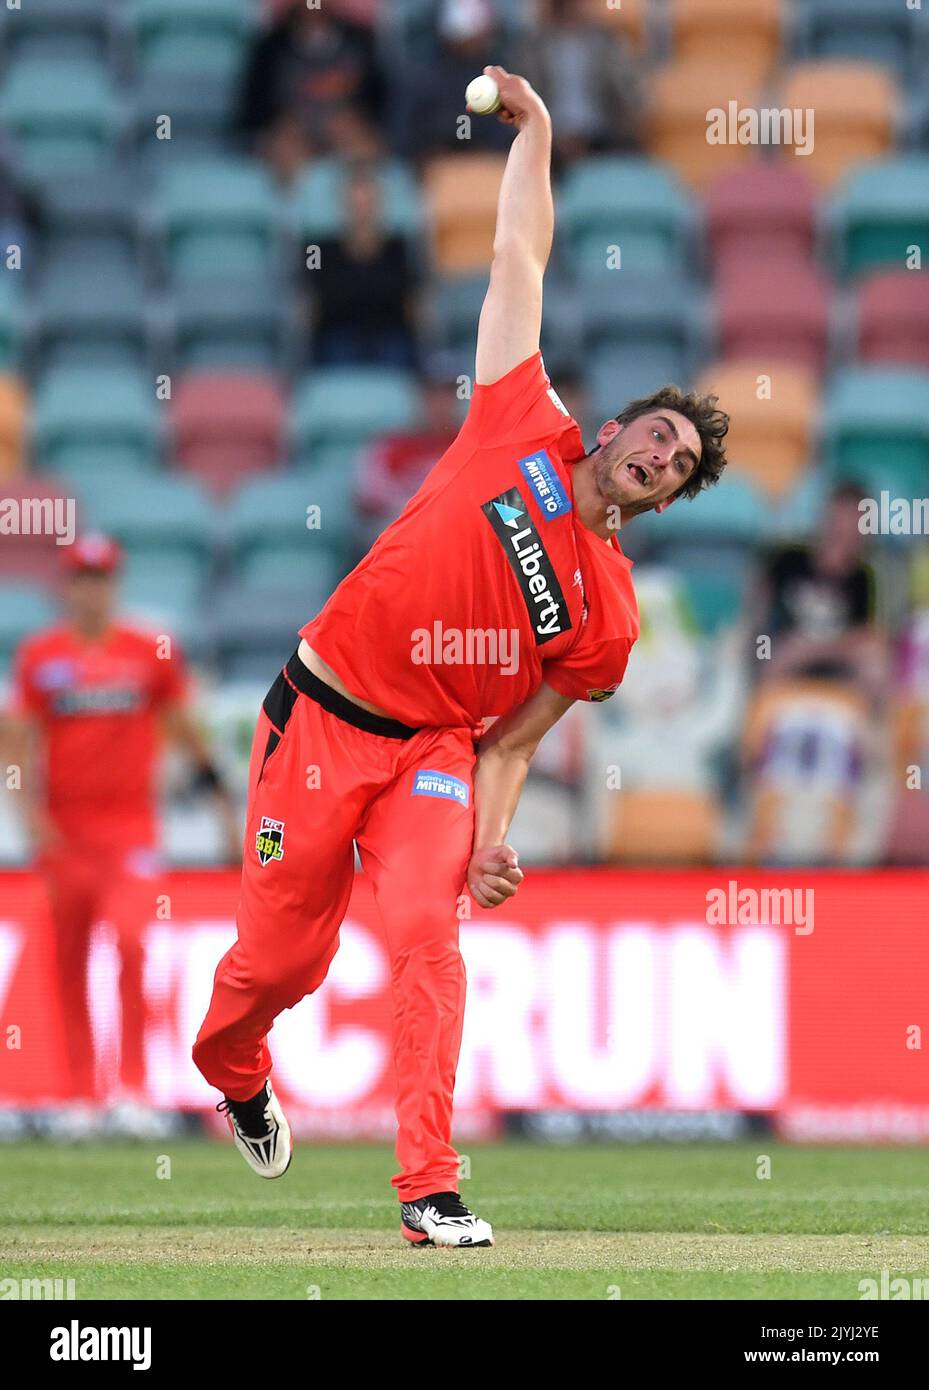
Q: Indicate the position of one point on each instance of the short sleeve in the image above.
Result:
(521, 406)
(171, 679)
(592, 671)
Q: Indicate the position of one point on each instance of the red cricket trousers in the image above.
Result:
(324, 773)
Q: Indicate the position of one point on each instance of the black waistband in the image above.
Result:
(303, 678)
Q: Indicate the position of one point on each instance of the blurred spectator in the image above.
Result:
(586, 78)
(392, 467)
(907, 840)
(817, 605)
(311, 87)
(432, 96)
(363, 292)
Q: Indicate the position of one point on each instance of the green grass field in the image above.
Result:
(595, 1222)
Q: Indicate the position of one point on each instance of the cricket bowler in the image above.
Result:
(500, 591)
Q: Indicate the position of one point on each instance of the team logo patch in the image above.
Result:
(269, 842)
(529, 561)
(599, 695)
(430, 783)
(542, 476)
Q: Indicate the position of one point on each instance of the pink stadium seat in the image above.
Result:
(765, 210)
(227, 426)
(893, 318)
(31, 556)
(777, 310)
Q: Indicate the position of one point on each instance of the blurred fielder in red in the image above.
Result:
(91, 698)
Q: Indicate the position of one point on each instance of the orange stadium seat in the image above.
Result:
(748, 32)
(461, 192)
(893, 319)
(765, 210)
(854, 109)
(780, 312)
(662, 826)
(680, 96)
(227, 426)
(769, 440)
(12, 425)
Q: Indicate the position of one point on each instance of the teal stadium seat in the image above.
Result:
(86, 417)
(731, 513)
(876, 428)
(715, 581)
(90, 313)
(11, 323)
(47, 30)
(217, 217)
(62, 117)
(267, 518)
(337, 409)
(164, 587)
(316, 208)
(91, 217)
(193, 37)
(24, 608)
(157, 516)
(634, 204)
(234, 322)
(867, 30)
(880, 213)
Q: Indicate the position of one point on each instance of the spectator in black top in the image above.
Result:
(432, 96)
(308, 77)
(363, 306)
(587, 79)
(817, 605)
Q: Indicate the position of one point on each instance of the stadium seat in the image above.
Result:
(201, 115)
(735, 512)
(633, 204)
(662, 827)
(893, 319)
(680, 98)
(193, 37)
(876, 424)
(714, 576)
(152, 587)
(336, 409)
(227, 426)
(91, 313)
(241, 323)
(48, 30)
(780, 315)
(24, 609)
(13, 404)
(93, 415)
(317, 209)
(881, 215)
(770, 437)
(869, 31)
(62, 117)
(91, 217)
(461, 192)
(320, 568)
(252, 628)
(855, 110)
(765, 210)
(746, 34)
(217, 217)
(158, 516)
(269, 517)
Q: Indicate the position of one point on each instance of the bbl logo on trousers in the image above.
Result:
(269, 842)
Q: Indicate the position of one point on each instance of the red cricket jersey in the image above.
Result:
(488, 583)
(97, 703)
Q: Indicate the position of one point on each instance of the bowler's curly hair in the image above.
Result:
(711, 424)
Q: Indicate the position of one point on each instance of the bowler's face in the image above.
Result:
(642, 465)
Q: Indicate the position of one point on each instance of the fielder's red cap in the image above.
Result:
(93, 552)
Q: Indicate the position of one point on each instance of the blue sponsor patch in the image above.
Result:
(429, 783)
(542, 476)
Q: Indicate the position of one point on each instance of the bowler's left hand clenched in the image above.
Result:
(494, 875)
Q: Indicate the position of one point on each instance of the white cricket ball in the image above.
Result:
(483, 95)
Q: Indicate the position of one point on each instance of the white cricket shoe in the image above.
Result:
(443, 1219)
(261, 1132)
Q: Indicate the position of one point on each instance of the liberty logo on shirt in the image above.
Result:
(269, 841)
(542, 476)
(442, 784)
(529, 561)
